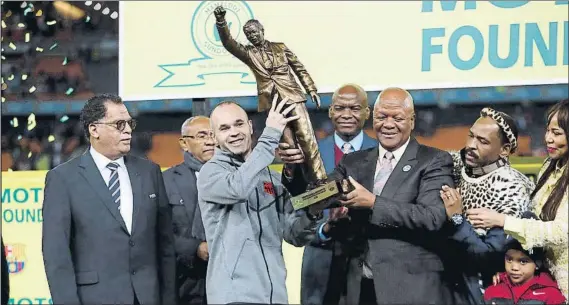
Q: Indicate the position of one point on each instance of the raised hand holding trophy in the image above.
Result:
(274, 66)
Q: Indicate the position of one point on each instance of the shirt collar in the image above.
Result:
(397, 154)
(356, 142)
(102, 161)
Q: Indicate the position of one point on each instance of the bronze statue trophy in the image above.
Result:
(273, 65)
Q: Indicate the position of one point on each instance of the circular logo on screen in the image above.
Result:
(204, 30)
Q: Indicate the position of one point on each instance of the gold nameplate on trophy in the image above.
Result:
(313, 196)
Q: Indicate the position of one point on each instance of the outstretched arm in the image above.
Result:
(230, 44)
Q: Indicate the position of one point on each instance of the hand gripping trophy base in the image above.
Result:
(322, 190)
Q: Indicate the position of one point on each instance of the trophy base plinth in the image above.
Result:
(319, 193)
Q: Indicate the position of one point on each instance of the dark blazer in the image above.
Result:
(403, 229)
(318, 278)
(89, 256)
(5, 277)
(484, 254)
(181, 187)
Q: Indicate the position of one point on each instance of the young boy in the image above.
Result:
(525, 280)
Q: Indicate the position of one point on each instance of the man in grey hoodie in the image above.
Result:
(247, 212)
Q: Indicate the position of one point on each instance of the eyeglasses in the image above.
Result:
(201, 136)
(120, 124)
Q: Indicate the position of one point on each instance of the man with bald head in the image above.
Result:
(246, 211)
(197, 143)
(395, 212)
(349, 111)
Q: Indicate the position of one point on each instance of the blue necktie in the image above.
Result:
(114, 184)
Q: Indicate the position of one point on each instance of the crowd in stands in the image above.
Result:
(46, 56)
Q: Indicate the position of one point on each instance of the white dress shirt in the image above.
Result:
(397, 154)
(356, 143)
(126, 207)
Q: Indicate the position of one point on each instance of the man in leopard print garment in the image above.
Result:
(483, 173)
(484, 178)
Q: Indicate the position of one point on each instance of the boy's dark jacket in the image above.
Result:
(541, 289)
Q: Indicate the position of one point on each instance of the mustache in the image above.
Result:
(472, 152)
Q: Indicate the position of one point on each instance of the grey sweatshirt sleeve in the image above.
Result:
(226, 187)
(299, 229)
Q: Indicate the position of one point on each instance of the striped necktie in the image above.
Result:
(380, 180)
(114, 184)
(347, 148)
(383, 173)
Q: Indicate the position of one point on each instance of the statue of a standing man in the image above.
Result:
(273, 65)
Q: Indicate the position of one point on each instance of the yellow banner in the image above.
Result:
(22, 199)
(172, 50)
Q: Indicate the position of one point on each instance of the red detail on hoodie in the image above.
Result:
(268, 187)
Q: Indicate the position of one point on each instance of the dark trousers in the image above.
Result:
(367, 292)
(337, 280)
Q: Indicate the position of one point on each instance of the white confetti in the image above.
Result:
(32, 121)
(11, 77)
(12, 46)
(106, 11)
(24, 4)
(14, 122)
(27, 37)
(32, 89)
(114, 15)
(51, 22)
(88, 3)
(21, 25)
(24, 76)
(97, 6)
(3, 24)
(51, 138)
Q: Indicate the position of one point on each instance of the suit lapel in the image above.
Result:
(257, 60)
(136, 185)
(368, 167)
(93, 176)
(398, 175)
(186, 184)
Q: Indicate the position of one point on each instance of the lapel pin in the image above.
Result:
(406, 168)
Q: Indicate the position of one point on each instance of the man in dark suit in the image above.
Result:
(322, 263)
(395, 212)
(189, 235)
(107, 229)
